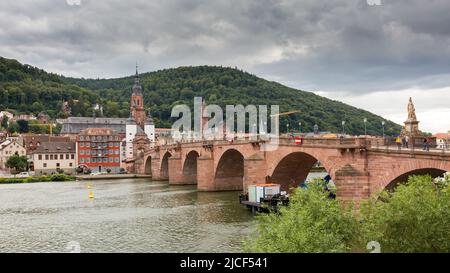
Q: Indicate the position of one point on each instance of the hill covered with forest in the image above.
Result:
(27, 89)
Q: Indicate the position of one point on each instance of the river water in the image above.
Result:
(128, 215)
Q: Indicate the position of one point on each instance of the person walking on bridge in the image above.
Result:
(426, 144)
(407, 142)
(398, 141)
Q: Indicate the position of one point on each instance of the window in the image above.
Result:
(70, 164)
(51, 157)
(72, 156)
(88, 138)
(116, 152)
(67, 156)
(111, 160)
(45, 165)
(81, 138)
(46, 157)
(81, 152)
(61, 156)
(81, 144)
(116, 159)
(40, 157)
(81, 160)
(94, 160)
(57, 165)
(56, 157)
(88, 160)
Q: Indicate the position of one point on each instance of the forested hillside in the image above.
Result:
(27, 89)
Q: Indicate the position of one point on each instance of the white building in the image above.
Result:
(7, 114)
(53, 157)
(442, 140)
(9, 148)
(132, 128)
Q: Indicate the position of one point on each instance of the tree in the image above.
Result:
(414, 218)
(17, 162)
(13, 128)
(4, 123)
(23, 126)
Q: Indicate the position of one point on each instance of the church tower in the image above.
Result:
(137, 102)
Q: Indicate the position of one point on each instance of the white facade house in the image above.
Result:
(8, 148)
(442, 140)
(7, 114)
(54, 157)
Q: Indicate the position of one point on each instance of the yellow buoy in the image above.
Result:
(91, 195)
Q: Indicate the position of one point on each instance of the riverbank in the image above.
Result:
(37, 179)
(111, 176)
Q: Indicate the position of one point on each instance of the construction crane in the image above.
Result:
(285, 113)
(49, 125)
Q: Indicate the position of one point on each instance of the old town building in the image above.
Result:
(98, 149)
(127, 128)
(54, 157)
(31, 142)
(8, 148)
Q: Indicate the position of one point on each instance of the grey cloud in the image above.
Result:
(329, 45)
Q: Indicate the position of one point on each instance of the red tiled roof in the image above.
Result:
(442, 135)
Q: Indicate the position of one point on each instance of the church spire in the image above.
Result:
(136, 77)
(137, 88)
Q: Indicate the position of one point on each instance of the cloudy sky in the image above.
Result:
(370, 56)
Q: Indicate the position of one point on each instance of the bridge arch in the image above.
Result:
(400, 170)
(293, 169)
(229, 173)
(403, 178)
(165, 166)
(148, 166)
(190, 167)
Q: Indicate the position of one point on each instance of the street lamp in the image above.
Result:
(382, 124)
(287, 128)
(365, 126)
(300, 127)
(343, 127)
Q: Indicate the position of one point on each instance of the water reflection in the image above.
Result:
(124, 216)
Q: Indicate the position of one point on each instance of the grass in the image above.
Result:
(36, 179)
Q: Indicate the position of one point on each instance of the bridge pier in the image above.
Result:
(176, 175)
(255, 171)
(205, 174)
(352, 184)
(156, 170)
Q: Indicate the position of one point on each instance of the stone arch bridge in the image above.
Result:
(358, 166)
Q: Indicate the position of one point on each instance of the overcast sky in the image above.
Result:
(372, 57)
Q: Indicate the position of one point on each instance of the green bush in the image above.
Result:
(413, 218)
(34, 179)
(312, 223)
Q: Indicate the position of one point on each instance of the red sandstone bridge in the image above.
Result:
(358, 166)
